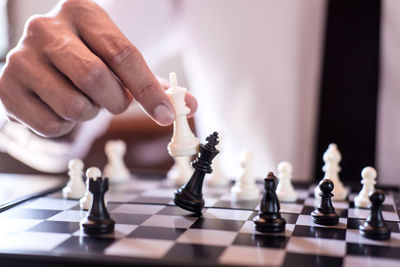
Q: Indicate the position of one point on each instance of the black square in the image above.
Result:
(157, 232)
(84, 245)
(217, 224)
(291, 218)
(175, 211)
(258, 240)
(195, 252)
(373, 251)
(300, 201)
(244, 205)
(294, 259)
(307, 210)
(55, 227)
(126, 218)
(319, 232)
(110, 206)
(354, 223)
(37, 214)
(253, 214)
(152, 200)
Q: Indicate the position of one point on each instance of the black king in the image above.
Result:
(190, 196)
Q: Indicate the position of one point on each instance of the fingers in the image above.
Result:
(56, 91)
(88, 73)
(33, 112)
(109, 44)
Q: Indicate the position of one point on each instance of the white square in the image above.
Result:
(227, 214)
(302, 194)
(207, 237)
(119, 196)
(364, 213)
(170, 221)
(167, 193)
(318, 246)
(209, 201)
(33, 241)
(311, 202)
(307, 220)
(354, 236)
(69, 216)
(120, 231)
(52, 204)
(245, 256)
(138, 209)
(248, 228)
(351, 261)
(140, 247)
(291, 207)
(16, 225)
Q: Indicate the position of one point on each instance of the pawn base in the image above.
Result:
(381, 233)
(188, 201)
(266, 225)
(322, 218)
(90, 227)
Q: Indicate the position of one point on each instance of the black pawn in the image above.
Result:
(269, 218)
(98, 221)
(190, 196)
(325, 214)
(375, 226)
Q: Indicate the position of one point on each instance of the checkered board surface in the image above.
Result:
(150, 229)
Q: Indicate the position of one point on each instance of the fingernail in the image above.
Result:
(164, 115)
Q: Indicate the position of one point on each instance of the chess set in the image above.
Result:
(187, 218)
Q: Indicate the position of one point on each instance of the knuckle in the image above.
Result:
(145, 91)
(37, 23)
(15, 58)
(54, 128)
(118, 109)
(77, 6)
(78, 109)
(123, 53)
(91, 75)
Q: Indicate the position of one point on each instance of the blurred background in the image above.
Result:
(146, 141)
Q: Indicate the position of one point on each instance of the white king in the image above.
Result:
(183, 142)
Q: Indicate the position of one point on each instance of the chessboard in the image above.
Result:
(150, 230)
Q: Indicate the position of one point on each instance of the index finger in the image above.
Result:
(124, 59)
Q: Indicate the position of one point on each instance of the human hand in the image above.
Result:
(70, 63)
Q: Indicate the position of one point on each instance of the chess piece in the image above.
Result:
(75, 188)
(245, 187)
(332, 158)
(181, 171)
(190, 196)
(183, 142)
(218, 178)
(269, 218)
(98, 220)
(116, 169)
(368, 175)
(325, 214)
(285, 190)
(375, 226)
(86, 200)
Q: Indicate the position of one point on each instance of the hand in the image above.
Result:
(70, 63)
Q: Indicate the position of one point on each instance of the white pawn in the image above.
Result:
(284, 189)
(181, 171)
(368, 175)
(218, 178)
(116, 170)
(331, 168)
(86, 201)
(183, 142)
(245, 187)
(75, 188)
